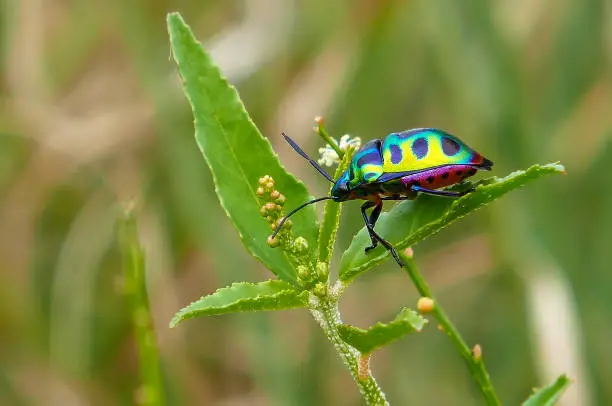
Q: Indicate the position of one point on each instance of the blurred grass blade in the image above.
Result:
(245, 297)
(237, 154)
(548, 395)
(381, 334)
(410, 222)
(331, 216)
(136, 292)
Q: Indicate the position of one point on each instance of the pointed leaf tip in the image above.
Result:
(236, 152)
(410, 222)
(379, 335)
(549, 395)
(245, 297)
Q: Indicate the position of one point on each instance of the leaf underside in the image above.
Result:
(245, 297)
(548, 395)
(379, 335)
(237, 154)
(410, 222)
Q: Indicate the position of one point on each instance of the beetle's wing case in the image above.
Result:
(423, 148)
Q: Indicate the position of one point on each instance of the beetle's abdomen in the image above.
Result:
(434, 178)
(439, 177)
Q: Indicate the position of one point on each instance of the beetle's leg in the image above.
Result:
(373, 234)
(369, 226)
(448, 193)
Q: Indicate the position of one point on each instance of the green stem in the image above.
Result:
(150, 393)
(475, 364)
(323, 134)
(328, 316)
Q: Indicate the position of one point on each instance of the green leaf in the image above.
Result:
(237, 154)
(245, 297)
(548, 395)
(381, 334)
(410, 222)
(331, 216)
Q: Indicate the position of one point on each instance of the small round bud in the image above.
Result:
(477, 352)
(273, 242)
(320, 289)
(302, 272)
(319, 120)
(260, 191)
(270, 185)
(322, 270)
(280, 200)
(409, 252)
(264, 210)
(275, 194)
(300, 245)
(425, 305)
(270, 207)
(263, 180)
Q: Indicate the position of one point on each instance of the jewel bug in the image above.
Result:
(406, 163)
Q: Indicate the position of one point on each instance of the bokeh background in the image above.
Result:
(92, 114)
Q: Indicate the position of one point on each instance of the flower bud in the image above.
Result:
(280, 200)
(273, 242)
(302, 272)
(425, 305)
(322, 270)
(300, 245)
(320, 289)
(260, 192)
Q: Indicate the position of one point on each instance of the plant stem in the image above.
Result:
(150, 393)
(328, 316)
(475, 364)
(329, 140)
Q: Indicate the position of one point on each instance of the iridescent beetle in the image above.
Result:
(398, 168)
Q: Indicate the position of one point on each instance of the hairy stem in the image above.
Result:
(326, 312)
(329, 140)
(150, 393)
(474, 361)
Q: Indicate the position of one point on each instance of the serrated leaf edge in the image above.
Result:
(300, 296)
(549, 168)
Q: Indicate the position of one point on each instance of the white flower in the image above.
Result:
(329, 157)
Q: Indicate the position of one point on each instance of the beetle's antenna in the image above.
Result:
(312, 162)
(292, 212)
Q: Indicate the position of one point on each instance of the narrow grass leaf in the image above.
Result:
(136, 291)
(548, 395)
(379, 335)
(410, 222)
(236, 152)
(245, 297)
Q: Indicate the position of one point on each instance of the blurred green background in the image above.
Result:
(92, 113)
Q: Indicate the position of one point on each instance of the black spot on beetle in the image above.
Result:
(445, 175)
(450, 147)
(459, 173)
(420, 147)
(430, 179)
(472, 171)
(416, 183)
(372, 158)
(396, 154)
